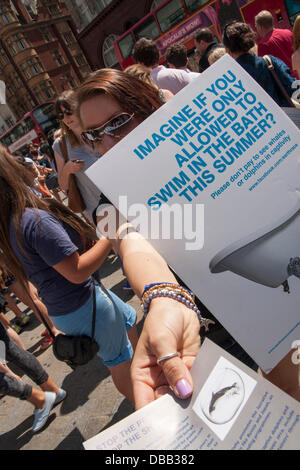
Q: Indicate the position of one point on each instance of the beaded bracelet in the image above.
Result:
(171, 289)
(170, 284)
(185, 297)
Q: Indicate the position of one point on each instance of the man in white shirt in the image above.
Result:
(177, 58)
(146, 52)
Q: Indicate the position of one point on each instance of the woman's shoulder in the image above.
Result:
(30, 221)
(33, 215)
(57, 143)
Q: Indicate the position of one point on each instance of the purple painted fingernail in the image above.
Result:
(183, 388)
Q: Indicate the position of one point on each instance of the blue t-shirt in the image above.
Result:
(47, 241)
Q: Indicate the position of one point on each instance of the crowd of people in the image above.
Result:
(46, 255)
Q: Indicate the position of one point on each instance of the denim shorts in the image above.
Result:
(113, 319)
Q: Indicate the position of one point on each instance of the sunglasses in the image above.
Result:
(67, 112)
(110, 128)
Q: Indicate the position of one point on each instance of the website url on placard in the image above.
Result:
(266, 173)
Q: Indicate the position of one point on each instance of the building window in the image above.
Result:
(12, 46)
(17, 79)
(70, 80)
(47, 89)
(54, 10)
(9, 121)
(31, 101)
(17, 42)
(59, 58)
(108, 51)
(33, 67)
(80, 60)
(155, 4)
(38, 94)
(4, 58)
(25, 70)
(46, 34)
(31, 9)
(69, 38)
(9, 89)
(20, 41)
(5, 19)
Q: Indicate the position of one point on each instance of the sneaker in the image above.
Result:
(17, 329)
(23, 320)
(61, 395)
(127, 286)
(41, 416)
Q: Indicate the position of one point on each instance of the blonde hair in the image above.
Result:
(296, 33)
(142, 72)
(216, 54)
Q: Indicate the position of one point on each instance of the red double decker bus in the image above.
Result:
(178, 20)
(37, 123)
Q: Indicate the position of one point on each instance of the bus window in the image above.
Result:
(193, 5)
(293, 9)
(6, 141)
(126, 45)
(45, 117)
(170, 15)
(148, 29)
(28, 124)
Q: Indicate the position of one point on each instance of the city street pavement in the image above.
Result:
(92, 404)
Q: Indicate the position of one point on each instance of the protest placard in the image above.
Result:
(232, 408)
(215, 174)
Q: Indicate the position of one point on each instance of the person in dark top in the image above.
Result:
(238, 39)
(204, 43)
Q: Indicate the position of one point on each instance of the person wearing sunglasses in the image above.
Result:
(80, 157)
(111, 104)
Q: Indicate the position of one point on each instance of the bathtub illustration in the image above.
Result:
(269, 256)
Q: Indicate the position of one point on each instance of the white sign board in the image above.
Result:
(223, 144)
(232, 408)
(26, 139)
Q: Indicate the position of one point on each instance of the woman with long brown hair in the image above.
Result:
(111, 103)
(43, 241)
(69, 145)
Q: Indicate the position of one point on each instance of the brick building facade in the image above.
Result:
(39, 52)
(116, 16)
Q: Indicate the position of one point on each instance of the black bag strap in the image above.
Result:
(93, 319)
(94, 311)
(271, 69)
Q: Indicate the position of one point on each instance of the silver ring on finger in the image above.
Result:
(166, 357)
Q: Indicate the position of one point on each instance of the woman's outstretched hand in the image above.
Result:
(169, 327)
